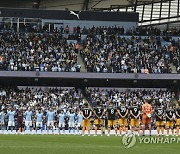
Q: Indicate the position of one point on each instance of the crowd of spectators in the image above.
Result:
(36, 98)
(105, 49)
(37, 52)
(138, 31)
(119, 54)
(60, 98)
(94, 30)
(108, 95)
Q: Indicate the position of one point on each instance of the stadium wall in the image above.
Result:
(74, 18)
(89, 24)
(82, 80)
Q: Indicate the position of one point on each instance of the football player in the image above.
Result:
(111, 115)
(98, 112)
(135, 116)
(28, 119)
(61, 125)
(50, 120)
(170, 119)
(71, 124)
(79, 121)
(159, 114)
(146, 116)
(86, 114)
(39, 120)
(61, 117)
(2, 120)
(20, 123)
(123, 113)
(11, 120)
(177, 119)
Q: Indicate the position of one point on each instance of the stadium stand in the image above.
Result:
(49, 52)
(37, 52)
(105, 50)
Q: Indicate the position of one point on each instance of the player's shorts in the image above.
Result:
(169, 124)
(20, 125)
(146, 120)
(86, 123)
(159, 123)
(71, 124)
(28, 123)
(111, 123)
(61, 124)
(178, 122)
(123, 122)
(38, 124)
(50, 123)
(135, 123)
(79, 124)
(11, 123)
(98, 122)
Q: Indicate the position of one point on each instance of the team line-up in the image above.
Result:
(119, 118)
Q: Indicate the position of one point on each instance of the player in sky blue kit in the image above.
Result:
(79, 121)
(2, 120)
(50, 120)
(11, 123)
(71, 123)
(61, 117)
(39, 119)
(28, 119)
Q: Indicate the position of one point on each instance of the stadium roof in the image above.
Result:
(71, 5)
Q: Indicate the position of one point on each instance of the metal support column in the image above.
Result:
(152, 9)
(160, 10)
(178, 7)
(135, 5)
(169, 11)
(143, 12)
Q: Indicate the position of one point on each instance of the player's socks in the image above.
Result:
(77, 130)
(172, 132)
(177, 131)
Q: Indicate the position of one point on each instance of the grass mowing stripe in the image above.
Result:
(67, 144)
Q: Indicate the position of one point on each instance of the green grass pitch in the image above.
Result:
(75, 144)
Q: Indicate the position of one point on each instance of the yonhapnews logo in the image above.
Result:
(129, 140)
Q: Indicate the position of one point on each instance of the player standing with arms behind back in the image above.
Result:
(135, 115)
(123, 113)
(111, 114)
(99, 111)
(86, 114)
(169, 119)
(146, 116)
(159, 114)
(177, 119)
